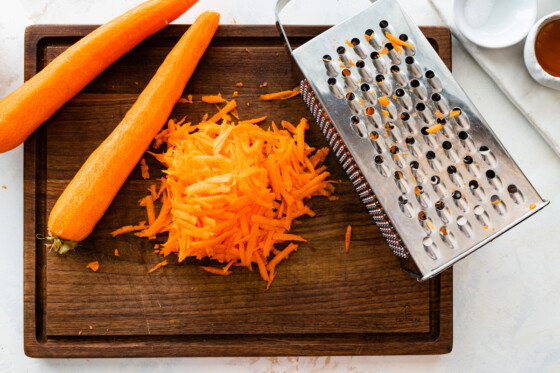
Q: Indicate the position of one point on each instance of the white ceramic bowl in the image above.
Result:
(495, 23)
(531, 61)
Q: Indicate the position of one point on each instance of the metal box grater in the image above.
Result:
(429, 169)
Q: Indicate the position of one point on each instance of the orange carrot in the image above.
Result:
(226, 109)
(216, 271)
(129, 228)
(158, 266)
(148, 202)
(396, 41)
(347, 237)
(35, 101)
(116, 252)
(89, 194)
(213, 99)
(384, 101)
(94, 266)
(144, 169)
(434, 128)
(283, 95)
(454, 113)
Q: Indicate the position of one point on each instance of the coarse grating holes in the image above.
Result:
(353, 103)
(373, 40)
(498, 205)
(373, 117)
(358, 126)
(409, 51)
(329, 66)
(515, 194)
(494, 179)
(447, 237)
(433, 81)
(402, 184)
(405, 206)
(377, 142)
(419, 90)
(430, 248)
(481, 216)
(425, 222)
(460, 119)
(443, 212)
(335, 88)
(488, 155)
(368, 94)
(476, 190)
(364, 71)
(459, 201)
(349, 80)
(378, 63)
(395, 154)
(379, 164)
(464, 226)
(433, 161)
(343, 55)
(471, 165)
(467, 141)
(421, 197)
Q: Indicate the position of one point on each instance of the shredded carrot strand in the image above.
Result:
(94, 266)
(144, 169)
(129, 228)
(158, 266)
(216, 271)
(283, 95)
(347, 237)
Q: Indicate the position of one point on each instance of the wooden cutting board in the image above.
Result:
(323, 301)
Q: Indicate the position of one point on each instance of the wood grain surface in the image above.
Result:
(323, 301)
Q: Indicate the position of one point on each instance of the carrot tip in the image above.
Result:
(60, 245)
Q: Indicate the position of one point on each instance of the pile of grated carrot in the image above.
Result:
(232, 191)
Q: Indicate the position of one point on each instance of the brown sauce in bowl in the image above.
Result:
(547, 47)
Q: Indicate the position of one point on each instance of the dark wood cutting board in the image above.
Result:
(323, 301)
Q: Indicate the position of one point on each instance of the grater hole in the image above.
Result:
(515, 194)
(414, 165)
(447, 145)
(364, 87)
(389, 46)
(378, 160)
(424, 131)
(473, 185)
(403, 37)
(398, 175)
(498, 205)
(512, 189)
(436, 97)
(355, 41)
(405, 206)
(369, 32)
(331, 81)
(346, 72)
(358, 127)
(430, 74)
(429, 247)
(419, 190)
(360, 64)
(415, 83)
(484, 150)
(468, 160)
(383, 24)
(341, 50)
(370, 111)
(394, 149)
(457, 195)
(443, 231)
(422, 216)
(490, 174)
(410, 140)
(409, 60)
(374, 55)
(440, 205)
(435, 180)
(395, 69)
(463, 135)
(379, 78)
(451, 170)
(431, 155)
(405, 115)
(399, 93)
(327, 58)
(421, 107)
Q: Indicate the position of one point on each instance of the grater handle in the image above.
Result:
(280, 5)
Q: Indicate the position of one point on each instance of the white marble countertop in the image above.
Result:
(506, 295)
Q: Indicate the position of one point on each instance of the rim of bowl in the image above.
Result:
(499, 45)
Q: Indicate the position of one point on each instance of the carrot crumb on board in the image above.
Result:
(129, 228)
(116, 252)
(216, 271)
(247, 50)
(172, 321)
(240, 84)
(94, 266)
(90, 327)
(234, 21)
(347, 237)
(4, 187)
(158, 266)
(283, 95)
(263, 85)
(144, 169)
(80, 332)
(213, 99)
(235, 94)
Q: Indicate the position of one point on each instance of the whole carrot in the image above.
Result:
(25, 109)
(91, 191)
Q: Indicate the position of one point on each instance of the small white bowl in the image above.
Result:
(531, 61)
(495, 23)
